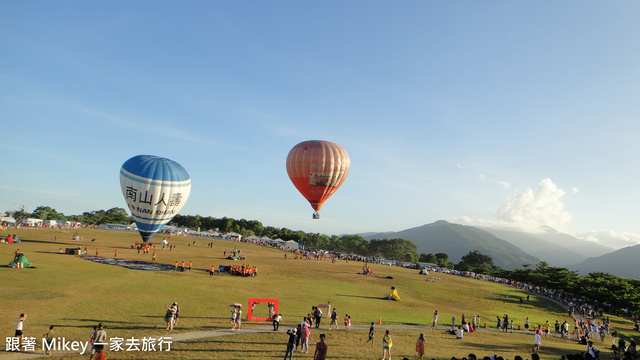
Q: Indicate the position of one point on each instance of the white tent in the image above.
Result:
(291, 244)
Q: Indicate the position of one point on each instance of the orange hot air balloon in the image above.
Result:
(317, 168)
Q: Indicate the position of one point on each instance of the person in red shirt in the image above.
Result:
(99, 355)
(321, 349)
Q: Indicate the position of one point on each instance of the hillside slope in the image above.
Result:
(458, 240)
(623, 262)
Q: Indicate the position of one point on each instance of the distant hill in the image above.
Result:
(623, 262)
(555, 248)
(458, 240)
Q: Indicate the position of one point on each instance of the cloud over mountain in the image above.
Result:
(529, 210)
(610, 238)
(532, 211)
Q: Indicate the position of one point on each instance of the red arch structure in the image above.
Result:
(257, 301)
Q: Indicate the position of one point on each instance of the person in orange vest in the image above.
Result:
(255, 271)
(115, 253)
(182, 267)
(154, 256)
(211, 271)
(190, 265)
(176, 266)
(96, 252)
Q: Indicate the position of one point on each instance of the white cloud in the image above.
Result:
(531, 210)
(504, 184)
(610, 238)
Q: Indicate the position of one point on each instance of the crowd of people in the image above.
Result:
(243, 270)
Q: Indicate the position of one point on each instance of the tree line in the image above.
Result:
(112, 216)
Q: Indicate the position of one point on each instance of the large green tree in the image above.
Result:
(394, 249)
(47, 213)
(476, 262)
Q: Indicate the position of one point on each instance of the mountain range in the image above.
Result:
(457, 240)
(511, 249)
(624, 262)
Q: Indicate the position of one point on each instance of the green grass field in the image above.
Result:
(75, 294)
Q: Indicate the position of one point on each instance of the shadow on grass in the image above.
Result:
(412, 324)
(226, 342)
(249, 354)
(364, 297)
(534, 302)
(43, 241)
(185, 317)
(108, 324)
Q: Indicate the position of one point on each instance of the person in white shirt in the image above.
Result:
(592, 351)
(536, 342)
(20, 327)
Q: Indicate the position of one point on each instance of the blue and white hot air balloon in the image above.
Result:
(155, 190)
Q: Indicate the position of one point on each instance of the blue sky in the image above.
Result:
(516, 114)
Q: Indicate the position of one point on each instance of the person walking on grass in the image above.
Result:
(48, 338)
(434, 320)
(99, 337)
(276, 321)
(334, 319)
(237, 321)
(420, 346)
(371, 336)
(304, 338)
(386, 345)
(321, 349)
(20, 328)
(291, 343)
(536, 342)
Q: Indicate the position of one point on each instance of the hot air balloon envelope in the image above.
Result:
(317, 168)
(155, 190)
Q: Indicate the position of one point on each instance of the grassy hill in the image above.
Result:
(75, 294)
